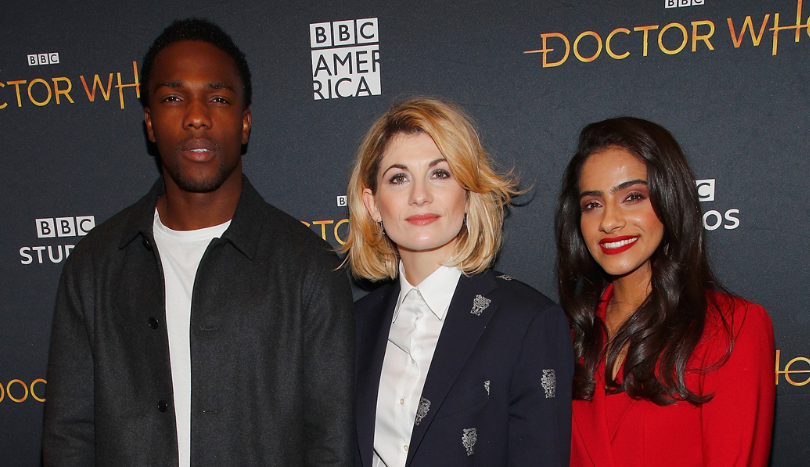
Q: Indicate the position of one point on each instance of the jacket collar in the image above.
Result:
(243, 232)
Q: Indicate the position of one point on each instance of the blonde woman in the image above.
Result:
(456, 364)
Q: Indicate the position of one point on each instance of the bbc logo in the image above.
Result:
(49, 227)
(43, 59)
(682, 3)
(343, 33)
(342, 201)
(705, 189)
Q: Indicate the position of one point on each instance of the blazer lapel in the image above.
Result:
(372, 339)
(590, 423)
(470, 311)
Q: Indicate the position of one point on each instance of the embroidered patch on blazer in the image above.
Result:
(480, 304)
(486, 386)
(468, 439)
(422, 410)
(549, 382)
(504, 277)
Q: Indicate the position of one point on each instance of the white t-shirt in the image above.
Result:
(180, 254)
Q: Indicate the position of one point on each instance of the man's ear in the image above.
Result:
(147, 118)
(247, 120)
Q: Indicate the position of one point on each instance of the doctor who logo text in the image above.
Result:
(673, 38)
(60, 90)
(18, 391)
(345, 59)
(796, 371)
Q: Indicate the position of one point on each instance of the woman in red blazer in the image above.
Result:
(670, 369)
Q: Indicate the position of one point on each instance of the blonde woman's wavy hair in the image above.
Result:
(370, 253)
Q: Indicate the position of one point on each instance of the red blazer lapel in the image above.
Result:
(590, 426)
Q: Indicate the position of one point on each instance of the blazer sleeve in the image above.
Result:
(737, 422)
(540, 405)
(328, 366)
(68, 437)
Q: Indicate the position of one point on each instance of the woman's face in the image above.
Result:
(618, 223)
(418, 200)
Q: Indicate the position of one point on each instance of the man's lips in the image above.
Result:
(616, 245)
(423, 219)
(198, 149)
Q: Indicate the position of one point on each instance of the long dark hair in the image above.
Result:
(664, 331)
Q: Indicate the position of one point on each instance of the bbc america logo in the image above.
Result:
(713, 219)
(56, 227)
(345, 59)
(683, 3)
(43, 59)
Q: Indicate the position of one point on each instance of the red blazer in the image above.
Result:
(733, 429)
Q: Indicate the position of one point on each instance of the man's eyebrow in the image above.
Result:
(179, 84)
(221, 86)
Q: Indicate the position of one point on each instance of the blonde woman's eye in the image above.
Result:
(397, 179)
(441, 174)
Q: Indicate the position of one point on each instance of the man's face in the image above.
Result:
(195, 116)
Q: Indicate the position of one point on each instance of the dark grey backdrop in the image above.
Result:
(741, 114)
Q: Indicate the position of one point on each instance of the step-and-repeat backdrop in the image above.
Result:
(729, 78)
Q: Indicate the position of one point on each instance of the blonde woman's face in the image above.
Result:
(418, 200)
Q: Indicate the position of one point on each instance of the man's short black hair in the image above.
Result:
(195, 29)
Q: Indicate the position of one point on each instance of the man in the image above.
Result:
(200, 326)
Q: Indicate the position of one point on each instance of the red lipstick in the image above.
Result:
(616, 245)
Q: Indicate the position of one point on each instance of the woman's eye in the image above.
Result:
(441, 174)
(397, 179)
(635, 196)
(589, 206)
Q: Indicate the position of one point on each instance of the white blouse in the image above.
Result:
(415, 329)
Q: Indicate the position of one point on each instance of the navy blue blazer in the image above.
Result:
(499, 385)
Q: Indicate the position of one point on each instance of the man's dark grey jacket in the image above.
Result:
(271, 348)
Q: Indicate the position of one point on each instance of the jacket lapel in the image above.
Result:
(590, 424)
(374, 323)
(470, 310)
